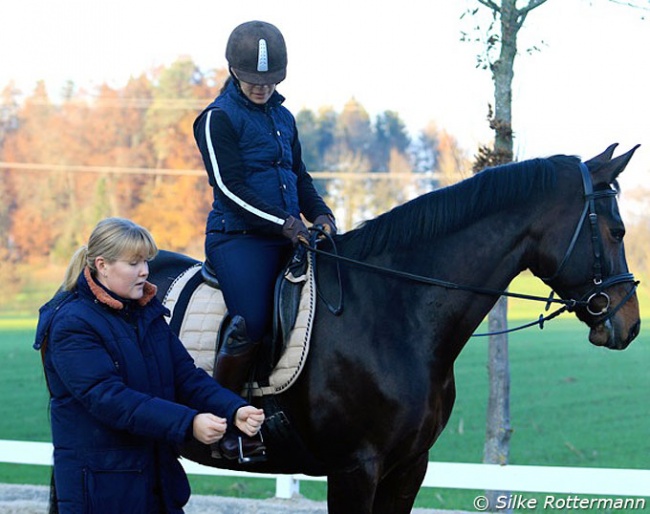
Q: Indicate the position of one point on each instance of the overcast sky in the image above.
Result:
(587, 87)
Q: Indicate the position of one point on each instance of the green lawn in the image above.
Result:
(572, 405)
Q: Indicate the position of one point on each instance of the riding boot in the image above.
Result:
(231, 370)
(235, 357)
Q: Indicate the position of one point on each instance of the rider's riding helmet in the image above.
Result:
(256, 51)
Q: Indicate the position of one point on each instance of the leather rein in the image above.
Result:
(597, 291)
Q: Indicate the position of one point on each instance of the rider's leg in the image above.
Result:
(231, 370)
(246, 267)
(236, 356)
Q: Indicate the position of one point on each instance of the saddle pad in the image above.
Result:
(200, 326)
(205, 312)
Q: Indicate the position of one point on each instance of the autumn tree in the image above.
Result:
(134, 149)
(175, 213)
(307, 124)
(390, 138)
(355, 129)
(9, 109)
(349, 194)
(129, 151)
(39, 203)
(453, 164)
(326, 136)
(168, 122)
(398, 186)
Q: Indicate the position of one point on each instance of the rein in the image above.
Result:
(600, 284)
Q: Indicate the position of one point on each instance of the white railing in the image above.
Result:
(486, 477)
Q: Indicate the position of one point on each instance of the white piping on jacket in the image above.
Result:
(218, 180)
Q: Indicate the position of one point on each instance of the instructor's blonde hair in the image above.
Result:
(113, 239)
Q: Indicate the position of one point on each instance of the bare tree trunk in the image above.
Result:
(497, 432)
(496, 449)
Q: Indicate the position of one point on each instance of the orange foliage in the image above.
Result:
(32, 232)
(146, 124)
(175, 212)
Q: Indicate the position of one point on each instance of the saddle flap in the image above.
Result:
(288, 289)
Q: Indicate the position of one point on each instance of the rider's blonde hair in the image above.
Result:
(113, 239)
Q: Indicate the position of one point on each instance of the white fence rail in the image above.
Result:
(488, 477)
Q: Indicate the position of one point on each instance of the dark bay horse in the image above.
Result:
(378, 387)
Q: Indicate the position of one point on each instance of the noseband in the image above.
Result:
(599, 283)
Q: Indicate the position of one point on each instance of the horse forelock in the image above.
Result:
(451, 208)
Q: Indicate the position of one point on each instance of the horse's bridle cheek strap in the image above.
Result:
(591, 300)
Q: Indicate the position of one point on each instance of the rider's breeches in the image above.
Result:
(247, 266)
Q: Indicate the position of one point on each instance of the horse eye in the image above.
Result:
(618, 234)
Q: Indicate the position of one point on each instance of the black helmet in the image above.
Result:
(257, 53)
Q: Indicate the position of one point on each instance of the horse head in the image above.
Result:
(586, 260)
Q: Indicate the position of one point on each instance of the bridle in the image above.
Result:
(588, 300)
(599, 284)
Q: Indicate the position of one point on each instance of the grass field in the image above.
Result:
(572, 404)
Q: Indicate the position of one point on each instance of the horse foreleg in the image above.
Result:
(396, 492)
(352, 490)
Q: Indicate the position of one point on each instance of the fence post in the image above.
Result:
(286, 486)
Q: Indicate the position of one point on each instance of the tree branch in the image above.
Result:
(632, 4)
(523, 12)
(490, 4)
(532, 4)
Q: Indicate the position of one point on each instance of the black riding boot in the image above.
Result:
(231, 370)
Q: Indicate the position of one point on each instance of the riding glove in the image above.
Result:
(295, 230)
(327, 223)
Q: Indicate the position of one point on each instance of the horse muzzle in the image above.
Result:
(613, 315)
(605, 334)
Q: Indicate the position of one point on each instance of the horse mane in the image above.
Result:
(449, 209)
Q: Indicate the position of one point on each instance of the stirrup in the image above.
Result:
(258, 456)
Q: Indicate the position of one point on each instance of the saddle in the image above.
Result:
(200, 318)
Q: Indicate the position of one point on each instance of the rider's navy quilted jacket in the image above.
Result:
(253, 158)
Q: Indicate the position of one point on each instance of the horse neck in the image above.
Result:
(486, 253)
(489, 254)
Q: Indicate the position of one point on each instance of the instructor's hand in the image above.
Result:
(249, 420)
(208, 428)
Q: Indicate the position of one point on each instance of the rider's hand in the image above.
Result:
(208, 428)
(249, 420)
(327, 223)
(295, 230)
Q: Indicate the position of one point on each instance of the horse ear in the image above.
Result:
(603, 157)
(608, 171)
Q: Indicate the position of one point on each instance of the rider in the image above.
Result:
(252, 154)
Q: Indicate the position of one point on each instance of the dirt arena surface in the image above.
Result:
(27, 499)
